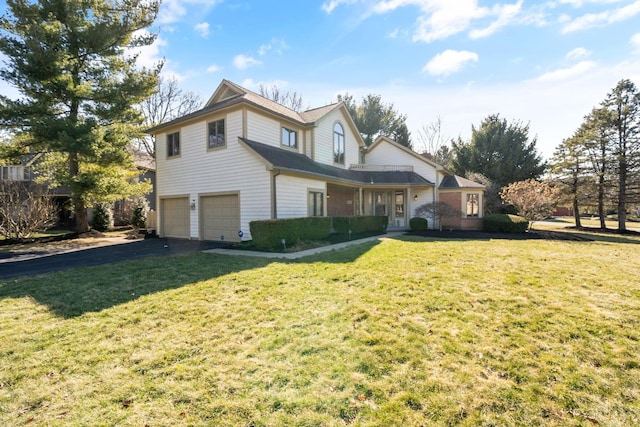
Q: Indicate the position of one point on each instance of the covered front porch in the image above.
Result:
(397, 202)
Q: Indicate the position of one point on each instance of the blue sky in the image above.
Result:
(546, 63)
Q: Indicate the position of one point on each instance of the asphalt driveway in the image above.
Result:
(15, 265)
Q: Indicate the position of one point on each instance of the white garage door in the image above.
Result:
(220, 217)
(175, 217)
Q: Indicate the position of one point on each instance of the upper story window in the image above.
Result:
(216, 134)
(289, 138)
(173, 144)
(473, 205)
(338, 143)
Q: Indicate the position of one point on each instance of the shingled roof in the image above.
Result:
(285, 160)
(228, 94)
(454, 182)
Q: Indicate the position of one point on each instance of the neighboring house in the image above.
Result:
(26, 173)
(244, 157)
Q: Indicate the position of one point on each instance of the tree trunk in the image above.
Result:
(576, 212)
(601, 212)
(82, 221)
(622, 195)
(79, 207)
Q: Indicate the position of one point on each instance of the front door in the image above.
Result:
(381, 203)
(399, 214)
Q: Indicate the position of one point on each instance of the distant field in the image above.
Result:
(407, 331)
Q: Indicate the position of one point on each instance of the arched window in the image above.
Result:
(338, 143)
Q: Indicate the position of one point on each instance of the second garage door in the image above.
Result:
(220, 217)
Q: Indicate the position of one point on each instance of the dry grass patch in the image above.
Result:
(408, 331)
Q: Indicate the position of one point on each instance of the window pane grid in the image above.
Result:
(473, 205)
(173, 144)
(216, 134)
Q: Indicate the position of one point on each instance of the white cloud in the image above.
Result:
(174, 10)
(578, 53)
(242, 62)
(567, 73)
(329, 5)
(213, 68)
(579, 3)
(635, 41)
(506, 14)
(202, 29)
(393, 34)
(591, 20)
(276, 45)
(449, 61)
(148, 56)
(441, 19)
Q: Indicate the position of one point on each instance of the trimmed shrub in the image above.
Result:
(504, 223)
(102, 218)
(268, 234)
(360, 224)
(418, 223)
(139, 214)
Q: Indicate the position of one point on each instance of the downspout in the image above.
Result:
(274, 202)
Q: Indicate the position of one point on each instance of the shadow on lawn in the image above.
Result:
(76, 291)
(585, 235)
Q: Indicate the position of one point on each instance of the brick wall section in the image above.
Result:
(341, 201)
(455, 200)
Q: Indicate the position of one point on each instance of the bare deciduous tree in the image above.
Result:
(167, 103)
(289, 99)
(434, 145)
(438, 211)
(24, 210)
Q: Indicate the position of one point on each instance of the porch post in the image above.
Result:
(361, 201)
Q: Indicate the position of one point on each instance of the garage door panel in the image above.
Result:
(220, 217)
(176, 217)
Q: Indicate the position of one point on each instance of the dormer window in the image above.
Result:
(289, 138)
(338, 143)
(216, 134)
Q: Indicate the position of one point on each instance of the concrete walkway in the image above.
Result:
(301, 254)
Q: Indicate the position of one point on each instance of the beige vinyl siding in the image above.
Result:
(292, 195)
(231, 169)
(308, 144)
(324, 140)
(386, 154)
(263, 129)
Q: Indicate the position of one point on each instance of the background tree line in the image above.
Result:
(599, 165)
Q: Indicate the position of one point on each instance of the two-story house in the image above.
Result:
(244, 157)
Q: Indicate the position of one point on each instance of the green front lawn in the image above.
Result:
(405, 331)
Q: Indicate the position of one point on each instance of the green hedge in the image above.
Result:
(418, 223)
(359, 224)
(268, 234)
(504, 223)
